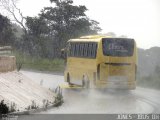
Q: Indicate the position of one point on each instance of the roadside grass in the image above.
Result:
(54, 65)
(27, 62)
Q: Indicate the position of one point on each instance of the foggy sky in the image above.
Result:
(139, 19)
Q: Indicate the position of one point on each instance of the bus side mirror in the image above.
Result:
(63, 54)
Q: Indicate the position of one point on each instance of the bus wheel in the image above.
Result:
(85, 81)
(68, 79)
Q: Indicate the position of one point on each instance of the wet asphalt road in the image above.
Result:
(141, 100)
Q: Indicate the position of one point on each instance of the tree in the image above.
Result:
(14, 11)
(61, 23)
(69, 20)
(38, 33)
(16, 15)
(6, 32)
(4, 109)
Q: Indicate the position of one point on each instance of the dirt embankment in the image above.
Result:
(19, 91)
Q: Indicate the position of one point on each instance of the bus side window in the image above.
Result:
(81, 50)
(73, 50)
(89, 50)
(94, 50)
(85, 50)
(76, 50)
(70, 50)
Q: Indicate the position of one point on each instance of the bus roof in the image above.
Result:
(91, 38)
(94, 37)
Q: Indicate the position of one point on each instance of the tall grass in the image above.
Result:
(44, 64)
(28, 62)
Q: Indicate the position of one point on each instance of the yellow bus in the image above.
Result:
(101, 62)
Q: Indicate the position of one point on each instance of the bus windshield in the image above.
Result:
(118, 47)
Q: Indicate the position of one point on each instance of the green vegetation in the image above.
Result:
(7, 36)
(28, 62)
(48, 33)
(4, 109)
(56, 65)
(59, 98)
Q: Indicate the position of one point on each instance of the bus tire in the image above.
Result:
(85, 82)
(68, 79)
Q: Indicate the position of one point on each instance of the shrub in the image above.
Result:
(4, 109)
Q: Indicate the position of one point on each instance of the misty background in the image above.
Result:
(37, 41)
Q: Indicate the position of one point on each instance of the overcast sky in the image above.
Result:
(139, 19)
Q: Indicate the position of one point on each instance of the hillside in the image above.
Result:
(148, 60)
(149, 68)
